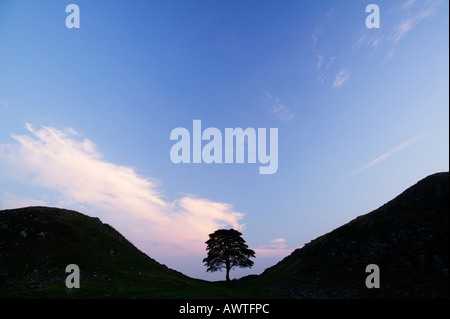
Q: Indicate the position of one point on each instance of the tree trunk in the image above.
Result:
(228, 266)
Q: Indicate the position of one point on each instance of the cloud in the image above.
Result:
(407, 24)
(276, 248)
(320, 28)
(282, 112)
(275, 244)
(403, 28)
(65, 162)
(272, 253)
(406, 5)
(406, 16)
(341, 78)
(387, 155)
(279, 243)
(320, 59)
(321, 79)
(324, 61)
(316, 33)
(323, 65)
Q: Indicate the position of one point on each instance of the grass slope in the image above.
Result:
(408, 238)
(37, 243)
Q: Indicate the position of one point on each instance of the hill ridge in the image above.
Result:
(37, 243)
(407, 237)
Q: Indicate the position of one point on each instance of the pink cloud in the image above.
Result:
(65, 162)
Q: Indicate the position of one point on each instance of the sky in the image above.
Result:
(86, 115)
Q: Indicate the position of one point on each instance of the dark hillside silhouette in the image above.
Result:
(408, 238)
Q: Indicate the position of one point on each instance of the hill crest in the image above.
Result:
(37, 243)
(408, 238)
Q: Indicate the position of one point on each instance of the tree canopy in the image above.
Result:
(227, 249)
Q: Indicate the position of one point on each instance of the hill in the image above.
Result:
(37, 243)
(408, 238)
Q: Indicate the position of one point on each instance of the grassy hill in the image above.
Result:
(37, 243)
(408, 238)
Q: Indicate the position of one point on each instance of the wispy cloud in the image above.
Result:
(276, 244)
(323, 65)
(279, 243)
(341, 78)
(407, 24)
(320, 28)
(407, 4)
(403, 28)
(320, 59)
(281, 110)
(315, 34)
(65, 162)
(406, 17)
(276, 248)
(324, 62)
(387, 155)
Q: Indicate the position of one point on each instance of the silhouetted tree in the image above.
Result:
(227, 249)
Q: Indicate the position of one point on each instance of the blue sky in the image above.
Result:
(86, 115)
